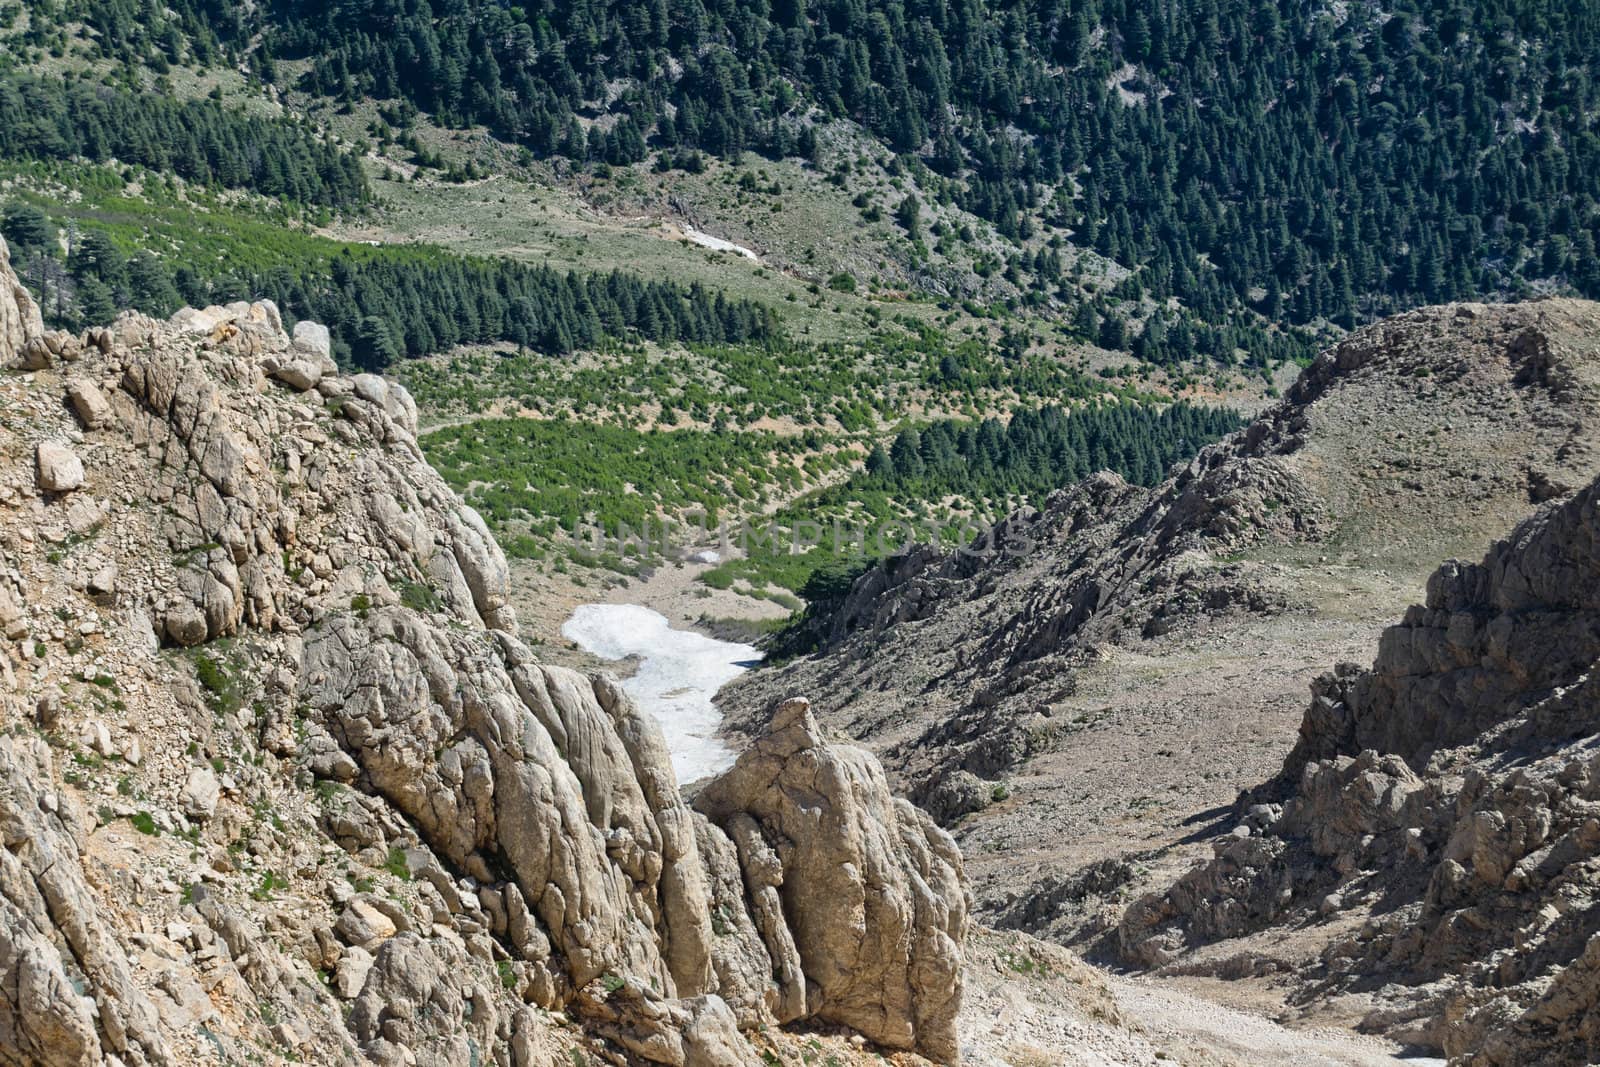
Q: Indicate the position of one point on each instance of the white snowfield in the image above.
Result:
(717, 244)
(679, 673)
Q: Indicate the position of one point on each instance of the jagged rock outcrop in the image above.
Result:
(871, 888)
(66, 992)
(331, 805)
(1491, 638)
(20, 322)
(1451, 795)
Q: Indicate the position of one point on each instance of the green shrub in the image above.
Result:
(397, 865)
(419, 597)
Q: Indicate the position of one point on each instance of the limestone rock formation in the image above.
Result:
(20, 322)
(67, 995)
(1450, 796)
(872, 889)
(298, 768)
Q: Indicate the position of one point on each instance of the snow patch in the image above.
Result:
(717, 244)
(679, 673)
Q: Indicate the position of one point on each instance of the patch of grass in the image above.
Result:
(270, 882)
(396, 864)
(217, 677)
(419, 597)
(145, 823)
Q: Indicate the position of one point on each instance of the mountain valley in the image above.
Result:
(1131, 470)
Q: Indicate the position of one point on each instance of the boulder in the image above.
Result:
(298, 373)
(363, 925)
(201, 793)
(185, 624)
(312, 339)
(355, 963)
(200, 322)
(103, 583)
(371, 388)
(35, 355)
(91, 405)
(59, 468)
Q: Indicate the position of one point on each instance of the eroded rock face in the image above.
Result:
(340, 809)
(1492, 640)
(508, 765)
(873, 890)
(1452, 796)
(53, 935)
(20, 322)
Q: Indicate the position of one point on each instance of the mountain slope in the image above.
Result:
(1432, 839)
(1190, 139)
(1168, 178)
(1131, 658)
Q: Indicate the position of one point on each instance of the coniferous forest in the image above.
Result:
(381, 308)
(1040, 450)
(197, 140)
(1308, 161)
(1198, 187)
(1311, 163)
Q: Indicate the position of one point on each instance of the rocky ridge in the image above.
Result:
(1435, 835)
(278, 777)
(1019, 666)
(1413, 436)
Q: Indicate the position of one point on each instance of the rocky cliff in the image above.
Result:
(278, 778)
(1434, 838)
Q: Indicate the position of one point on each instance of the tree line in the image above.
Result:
(383, 305)
(198, 140)
(1039, 450)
